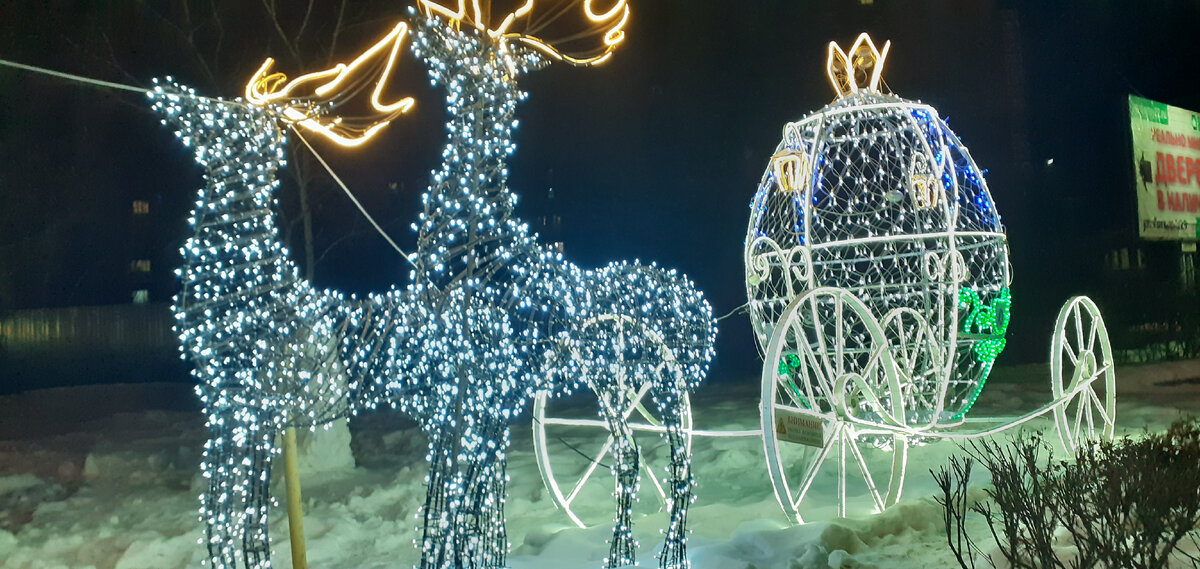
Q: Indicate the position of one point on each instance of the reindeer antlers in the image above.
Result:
(333, 86)
(846, 73)
(608, 24)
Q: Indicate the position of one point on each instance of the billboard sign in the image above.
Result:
(1166, 167)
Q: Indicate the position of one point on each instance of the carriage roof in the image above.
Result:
(871, 166)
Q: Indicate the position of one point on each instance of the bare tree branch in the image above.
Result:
(359, 231)
(304, 24)
(287, 43)
(220, 34)
(187, 22)
(337, 28)
(189, 36)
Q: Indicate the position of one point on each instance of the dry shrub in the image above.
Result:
(1128, 503)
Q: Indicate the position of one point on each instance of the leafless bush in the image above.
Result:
(953, 480)
(1128, 503)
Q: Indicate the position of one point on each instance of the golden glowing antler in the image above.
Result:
(607, 23)
(863, 65)
(331, 87)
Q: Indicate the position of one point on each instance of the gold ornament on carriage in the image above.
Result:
(861, 69)
(792, 170)
(927, 191)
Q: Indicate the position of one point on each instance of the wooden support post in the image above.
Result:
(291, 469)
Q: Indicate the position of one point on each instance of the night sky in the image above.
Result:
(653, 156)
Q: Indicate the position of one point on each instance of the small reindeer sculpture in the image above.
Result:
(489, 319)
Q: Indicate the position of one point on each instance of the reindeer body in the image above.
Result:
(505, 317)
(268, 349)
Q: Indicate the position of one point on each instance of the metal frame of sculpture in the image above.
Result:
(877, 274)
(489, 319)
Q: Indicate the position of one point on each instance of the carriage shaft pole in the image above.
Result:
(291, 468)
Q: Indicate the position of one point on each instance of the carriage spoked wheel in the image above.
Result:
(573, 443)
(1081, 375)
(918, 356)
(826, 361)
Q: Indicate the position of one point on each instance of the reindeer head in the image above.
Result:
(861, 69)
(306, 101)
(573, 31)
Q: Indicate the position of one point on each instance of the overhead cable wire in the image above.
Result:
(76, 78)
(353, 199)
(142, 90)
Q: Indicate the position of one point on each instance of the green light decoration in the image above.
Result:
(789, 365)
(986, 319)
(986, 322)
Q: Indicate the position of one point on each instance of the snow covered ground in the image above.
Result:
(105, 478)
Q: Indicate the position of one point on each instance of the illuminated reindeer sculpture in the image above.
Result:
(268, 349)
(489, 319)
(503, 317)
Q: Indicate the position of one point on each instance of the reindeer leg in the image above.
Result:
(464, 505)
(218, 468)
(436, 546)
(674, 553)
(256, 538)
(622, 549)
(483, 532)
(494, 492)
(237, 465)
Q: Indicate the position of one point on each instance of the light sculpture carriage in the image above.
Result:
(878, 281)
(877, 273)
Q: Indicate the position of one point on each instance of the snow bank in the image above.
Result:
(121, 493)
(18, 483)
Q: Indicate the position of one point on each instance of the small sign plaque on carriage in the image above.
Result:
(801, 428)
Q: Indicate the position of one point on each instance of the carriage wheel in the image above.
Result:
(919, 360)
(576, 471)
(824, 336)
(1081, 375)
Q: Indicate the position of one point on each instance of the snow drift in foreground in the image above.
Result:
(120, 492)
